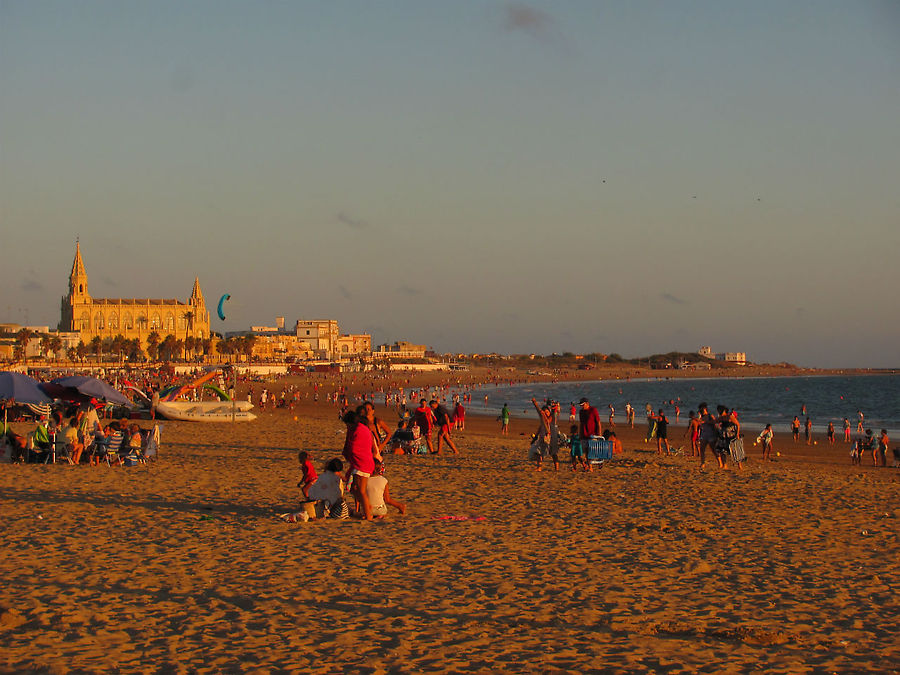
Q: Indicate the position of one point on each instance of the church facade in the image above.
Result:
(130, 317)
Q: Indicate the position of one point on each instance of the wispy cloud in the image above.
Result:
(668, 297)
(351, 222)
(345, 293)
(521, 18)
(32, 285)
(408, 290)
(109, 281)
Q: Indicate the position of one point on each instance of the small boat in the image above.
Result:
(205, 411)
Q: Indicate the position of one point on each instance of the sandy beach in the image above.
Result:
(649, 563)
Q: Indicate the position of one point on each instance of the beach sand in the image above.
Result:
(649, 563)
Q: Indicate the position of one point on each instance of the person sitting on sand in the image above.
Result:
(379, 495)
(308, 475)
(329, 490)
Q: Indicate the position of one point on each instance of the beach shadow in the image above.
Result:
(108, 501)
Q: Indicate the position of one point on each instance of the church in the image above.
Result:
(129, 317)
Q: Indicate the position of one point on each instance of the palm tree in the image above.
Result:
(97, 347)
(56, 345)
(81, 351)
(153, 341)
(22, 339)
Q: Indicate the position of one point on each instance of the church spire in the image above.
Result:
(196, 294)
(78, 277)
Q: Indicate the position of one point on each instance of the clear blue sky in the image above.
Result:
(627, 177)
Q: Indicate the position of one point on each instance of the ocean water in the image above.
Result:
(759, 401)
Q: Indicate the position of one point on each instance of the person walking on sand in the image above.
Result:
(442, 421)
(573, 413)
(459, 416)
(662, 432)
(693, 429)
(847, 438)
(830, 433)
(765, 439)
(708, 434)
(651, 425)
(612, 415)
(807, 430)
(860, 418)
(504, 420)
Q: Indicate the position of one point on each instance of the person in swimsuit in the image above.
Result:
(765, 439)
(693, 429)
(831, 433)
(708, 434)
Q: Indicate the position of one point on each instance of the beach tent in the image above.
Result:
(21, 389)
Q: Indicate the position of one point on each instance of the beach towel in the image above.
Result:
(737, 450)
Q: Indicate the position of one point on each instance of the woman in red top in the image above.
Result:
(359, 449)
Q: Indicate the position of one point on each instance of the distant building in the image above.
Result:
(738, 358)
(400, 350)
(317, 339)
(706, 351)
(129, 317)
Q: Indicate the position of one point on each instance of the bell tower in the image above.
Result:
(78, 293)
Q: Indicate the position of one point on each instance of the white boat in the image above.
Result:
(205, 411)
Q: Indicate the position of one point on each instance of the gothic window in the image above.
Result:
(155, 322)
(114, 321)
(99, 323)
(182, 323)
(127, 321)
(85, 321)
(170, 322)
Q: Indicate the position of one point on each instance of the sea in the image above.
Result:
(758, 400)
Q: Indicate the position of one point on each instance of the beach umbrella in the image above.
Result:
(93, 387)
(22, 388)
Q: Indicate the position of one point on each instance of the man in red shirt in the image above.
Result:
(590, 420)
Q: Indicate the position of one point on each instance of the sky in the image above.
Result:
(515, 177)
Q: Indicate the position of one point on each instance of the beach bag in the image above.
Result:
(737, 451)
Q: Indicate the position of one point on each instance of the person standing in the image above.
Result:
(693, 428)
(662, 432)
(612, 416)
(765, 438)
(860, 418)
(629, 415)
(459, 416)
(831, 433)
(795, 428)
(424, 419)
(847, 438)
(504, 420)
(883, 442)
(589, 421)
(708, 434)
(807, 430)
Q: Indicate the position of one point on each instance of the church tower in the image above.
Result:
(78, 293)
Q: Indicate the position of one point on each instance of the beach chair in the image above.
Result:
(599, 450)
(151, 444)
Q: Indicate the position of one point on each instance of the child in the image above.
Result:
(329, 489)
(379, 495)
(308, 471)
(578, 453)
